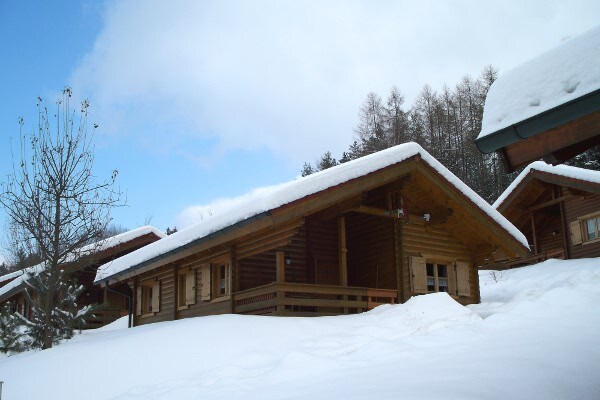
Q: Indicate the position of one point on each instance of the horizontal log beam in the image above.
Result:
(549, 203)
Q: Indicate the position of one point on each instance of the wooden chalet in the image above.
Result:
(375, 230)
(110, 304)
(557, 208)
(547, 108)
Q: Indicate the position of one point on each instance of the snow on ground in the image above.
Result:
(534, 336)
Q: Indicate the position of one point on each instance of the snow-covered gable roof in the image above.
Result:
(582, 174)
(269, 198)
(18, 277)
(560, 75)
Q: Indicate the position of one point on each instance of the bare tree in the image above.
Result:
(56, 207)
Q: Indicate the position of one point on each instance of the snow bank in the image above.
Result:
(558, 76)
(539, 339)
(105, 244)
(269, 198)
(567, 171)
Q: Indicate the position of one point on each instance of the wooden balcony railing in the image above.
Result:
(301, 299)
(527, 260)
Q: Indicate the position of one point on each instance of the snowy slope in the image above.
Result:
(269, 198)
(535, 336)
(567, 72)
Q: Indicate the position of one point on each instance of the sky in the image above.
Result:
(201, 101)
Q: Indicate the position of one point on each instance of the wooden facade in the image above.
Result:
(109, 305)
(554, 212)
(380, 238)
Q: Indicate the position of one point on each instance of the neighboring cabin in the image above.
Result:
(547, 108)
(111, 305)
(375, 230)
(557, 208)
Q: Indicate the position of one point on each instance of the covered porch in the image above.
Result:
(342, 260)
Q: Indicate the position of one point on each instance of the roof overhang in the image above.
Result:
(555, 179)
(555, 135)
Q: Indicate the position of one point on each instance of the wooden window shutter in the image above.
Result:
(138, 301)
(206, 282)
(190, 287)
(576, 236)
(418, 274)
(462, 278)
(452, 279)
(156, 296)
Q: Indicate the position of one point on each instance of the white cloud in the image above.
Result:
(221, 206)
(290, 77)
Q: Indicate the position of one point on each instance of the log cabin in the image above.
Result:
(378, 229)
(547, 108)
(109, 304)
(558, 210)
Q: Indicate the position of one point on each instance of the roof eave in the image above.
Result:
(557, 116)
(121, 275)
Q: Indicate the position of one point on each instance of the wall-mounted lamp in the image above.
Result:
(287, 259)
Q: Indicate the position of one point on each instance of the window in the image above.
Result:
(186, 287)
(429, 275)
(220, 278)
(148, 298)
(585, 229)
(591, 228)
(437, 277)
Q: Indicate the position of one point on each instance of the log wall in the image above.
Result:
(575, 208)
(420, 239)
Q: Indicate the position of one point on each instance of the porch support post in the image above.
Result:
(343, 251)
(343, 256)
(399, 259)
(280, 278)
(533, 233)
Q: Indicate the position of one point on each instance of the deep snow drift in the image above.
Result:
(536, 335)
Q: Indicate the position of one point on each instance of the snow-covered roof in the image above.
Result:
(268, 198)
(582, 174)
(564, 73)
(105, 244)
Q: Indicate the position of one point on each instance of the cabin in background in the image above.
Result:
(375, 230)
(547, 108)
(111, 304)
(557, 208)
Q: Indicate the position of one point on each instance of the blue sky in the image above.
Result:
(197, 102)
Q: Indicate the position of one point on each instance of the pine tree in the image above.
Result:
(66, 316)
(11, 333)
(326, 161)
(589, 159)
(307, 169)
